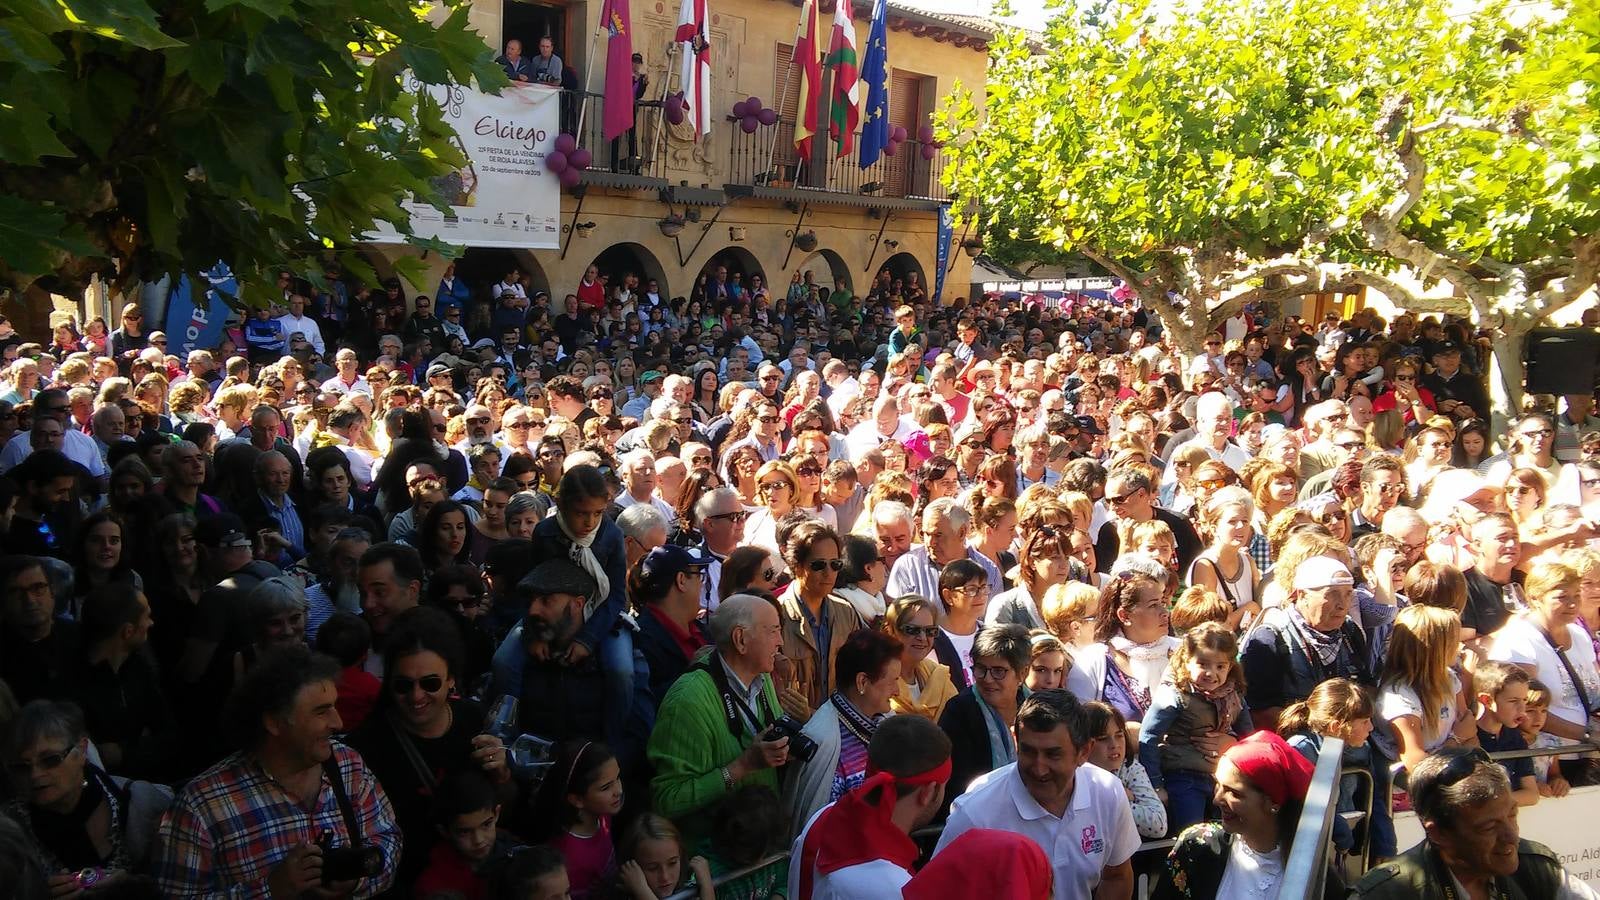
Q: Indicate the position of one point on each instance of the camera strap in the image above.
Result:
(330, 768)
(735, 711)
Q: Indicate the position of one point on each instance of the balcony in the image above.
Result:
(769, 159)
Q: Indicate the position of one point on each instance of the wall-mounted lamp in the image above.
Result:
(805, 240)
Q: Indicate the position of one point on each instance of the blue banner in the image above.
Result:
(875, 74)
(941, 252)
(192, 326)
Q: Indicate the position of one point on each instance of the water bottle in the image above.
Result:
(502, 719)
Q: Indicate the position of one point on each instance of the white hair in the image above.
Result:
(947, 511)
(892, 511)
(633, 458)
(738, 611)
(640, 519)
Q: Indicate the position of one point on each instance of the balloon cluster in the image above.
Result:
(673, 108)
(752, 115)
(930, 147)
(567, 160)
(897, 136)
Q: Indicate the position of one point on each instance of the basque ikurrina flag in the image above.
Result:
(694, 75)
(844, 112)
(808, 56)
(875, 75)
(619, 68)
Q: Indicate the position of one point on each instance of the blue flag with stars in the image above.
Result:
(875, 72)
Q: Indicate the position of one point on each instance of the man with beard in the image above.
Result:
(560, 701)
(338, 590)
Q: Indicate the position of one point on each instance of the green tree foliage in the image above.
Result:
(143, 139)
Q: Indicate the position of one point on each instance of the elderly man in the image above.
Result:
(349, 379)
(720, 515)
(343, 424)
(1349, 445)
(638, 472)
(1213, 427)
(1294, 648)
(1318, 454)
(1078, 814)
(671, 475)
(892, 527)
(944, 540)
(271, 506)
(712, 733)
(1472, 847)
(108, 423)
(643, 528)
(336, 589)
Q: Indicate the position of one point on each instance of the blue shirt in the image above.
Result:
(288, 524)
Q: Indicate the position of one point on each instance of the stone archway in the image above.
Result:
(828, 269)
(483, 267)
(620, 260)
(738, 261)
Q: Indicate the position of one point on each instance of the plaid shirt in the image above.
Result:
(230, 827)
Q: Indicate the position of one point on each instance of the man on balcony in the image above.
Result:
(547, 65)
(518, 67)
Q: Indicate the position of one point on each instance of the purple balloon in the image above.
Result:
(741, 109)
(580, 159)
(570, 178)
(898, 135)
(749, 124)
(891, 148)
(752, 105)
(928, 151)
(768, 116)
(925, 134)
(566, 143)
(674, 109)
(556, 161)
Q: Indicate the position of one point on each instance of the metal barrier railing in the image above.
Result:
(1307, 865)
(691, 893)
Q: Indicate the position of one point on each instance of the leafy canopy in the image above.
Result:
(139, 140)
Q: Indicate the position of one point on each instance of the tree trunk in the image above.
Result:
(1181, 329)
(1506, 371)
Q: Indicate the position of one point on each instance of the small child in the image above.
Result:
(1156, 540)
(1108, 749)
(348, 639)
(1202, 697)
(466, 815)
(1047, 661)
(1502, 692)
(748, 826)
(1337, 708)
(1196, 606)
(576, 801)
(535, 873)
(652, 861)
(1547, 769)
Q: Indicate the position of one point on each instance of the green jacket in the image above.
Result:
(1417, 874)
(689, 746)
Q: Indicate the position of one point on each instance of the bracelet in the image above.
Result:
(727, 780)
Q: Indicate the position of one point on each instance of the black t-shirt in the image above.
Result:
(1107, 544)
(1486, 605)
(1508, 739)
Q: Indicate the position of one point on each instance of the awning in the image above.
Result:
(834, 198)
(694, 196)
(622, 181)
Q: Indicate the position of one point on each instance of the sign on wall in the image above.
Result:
(1564, 824)
(503, 196)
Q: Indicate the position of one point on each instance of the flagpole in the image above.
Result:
(783, 97)
(588, 82)
(661, 111)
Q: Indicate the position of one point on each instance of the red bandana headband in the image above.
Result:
(1272, 765)
(855, 830)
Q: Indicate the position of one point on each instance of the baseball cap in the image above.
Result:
(438, 368)
(221, 532)
(668, 561)
(1446, 347)
(1087, 425)
(483, 344)
(1320, 572)
(650, 375)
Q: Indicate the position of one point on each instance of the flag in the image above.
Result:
(875, 75)
(844, 110)
(808, 56)
(619, 69)
(694, 76)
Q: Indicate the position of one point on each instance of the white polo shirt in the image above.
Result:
(1097, 832)
(871, 880)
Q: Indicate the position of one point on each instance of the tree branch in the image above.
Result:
(1583, 275)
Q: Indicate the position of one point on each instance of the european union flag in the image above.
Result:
(875, 72)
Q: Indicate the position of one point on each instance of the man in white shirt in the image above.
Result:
(1078, 814)
(860, 847)
(638, 473)
(342, 424)
(886, 425)
(296, 320)
(78, 447)
(349, 380)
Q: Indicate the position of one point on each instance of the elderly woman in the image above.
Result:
(868, 674)
(1261, 788)
(979, 721)
(1131, 649)
(925, 686)
(276, 612)
(76, 816)
(1045, 561)
(815, 623)
(864, 575)
(964, 594)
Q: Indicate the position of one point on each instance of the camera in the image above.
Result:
(800, 746)
(349, 863)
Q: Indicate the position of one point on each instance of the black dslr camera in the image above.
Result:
(349, 863)
(800, 746)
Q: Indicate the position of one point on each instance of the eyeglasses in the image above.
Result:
(767, 420)
(809, 471)
(700, 458)
(1394, 488)
(430, 684)
(920, 631)
(1212, 483)
(478, 420)
(972, 590)
(47, 762)
(769, 574)
(1351, 445)
(735, 517)
(1405, 378)
(990, 673)
(600, 394)
(439, 428)
(1540, 433)
(771, 485)
(817, 565)
(517, 425)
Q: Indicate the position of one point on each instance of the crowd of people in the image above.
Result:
(482, 595)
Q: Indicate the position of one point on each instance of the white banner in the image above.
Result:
(1565, 825)
(503, 196)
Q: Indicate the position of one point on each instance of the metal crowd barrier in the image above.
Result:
(691, 893)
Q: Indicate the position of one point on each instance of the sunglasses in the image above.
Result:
(736, 516)
(1213, 483)
(920, 631)
(430, 684)
(817, 565)
(47, 762)
(1457, 769)
(767, 420)
(771, 485)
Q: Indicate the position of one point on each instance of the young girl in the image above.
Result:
(1418, 691)
(1108, 749)
(1225, 566)
(580, 794)
(1047, 662)
(1337, 708)
(1196, 715)
(652, 868)
(1546, 768)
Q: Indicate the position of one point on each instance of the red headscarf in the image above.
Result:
(1272, 765)
(855, 830)
(987, 864)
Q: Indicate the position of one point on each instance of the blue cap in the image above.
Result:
(1088, 425)
(668, 561)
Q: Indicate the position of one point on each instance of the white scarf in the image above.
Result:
(583, 555)
(1148, 661)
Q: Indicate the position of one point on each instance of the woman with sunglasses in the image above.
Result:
(808, 490)
(1045, 561)
(740, 464)
(1406, 394)
(925, 688)
(418, 734)
(815, 622)
(76, 816)
(776, 487)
